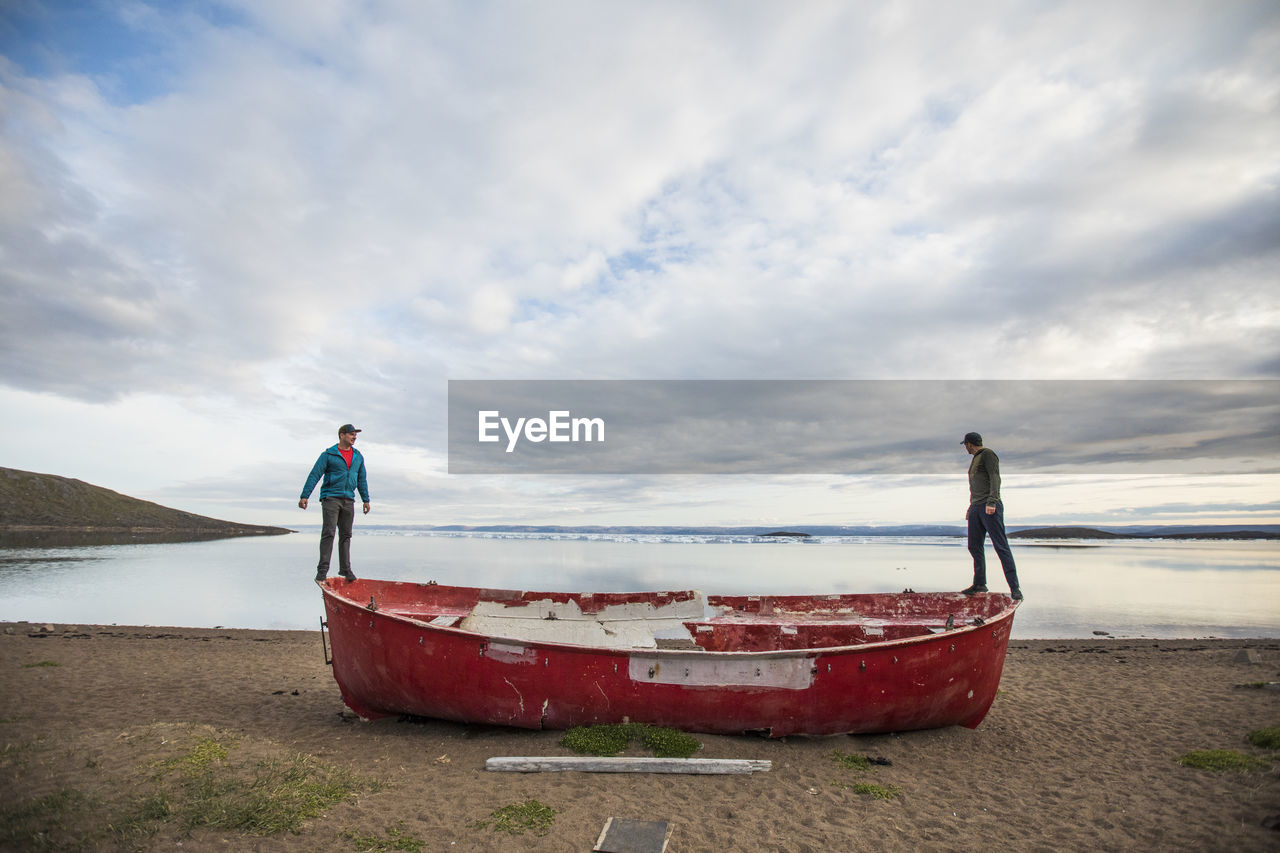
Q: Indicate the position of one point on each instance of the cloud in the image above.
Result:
(859, 427)
(340, 207)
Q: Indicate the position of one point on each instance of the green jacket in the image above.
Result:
(984, 478)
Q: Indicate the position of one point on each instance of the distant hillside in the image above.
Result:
(701, 530)
(1170, 532)
(33, 503)
(1063, 533)
(1183, 531)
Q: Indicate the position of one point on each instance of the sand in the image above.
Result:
(1078, 752)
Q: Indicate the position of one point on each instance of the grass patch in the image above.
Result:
(1221, 760)
(205, 753)
(170, 780)
(1266, 738)
(37, 825)
(396, 839)
(607, 739)
(851, 761)
(611, 738)
(204, 788)
(41, 663)
(669, 743)
(141, 818)
(518, 818)
(271, 797)
(868, 789)
(861, 764)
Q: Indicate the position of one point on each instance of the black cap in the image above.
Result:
(972, 438)
(350, 428)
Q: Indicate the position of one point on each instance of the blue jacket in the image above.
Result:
(339, 481)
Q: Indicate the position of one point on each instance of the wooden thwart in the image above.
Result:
(588, 764)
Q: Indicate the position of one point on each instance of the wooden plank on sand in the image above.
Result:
(589, 764)
(633, 836)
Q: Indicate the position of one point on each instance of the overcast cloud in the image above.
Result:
(860, 426)
(227, 227)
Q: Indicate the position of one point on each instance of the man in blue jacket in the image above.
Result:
(342, 467)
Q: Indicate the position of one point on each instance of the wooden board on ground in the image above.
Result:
(633, 836)
(588, 764)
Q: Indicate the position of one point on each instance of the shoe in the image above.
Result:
(321, 575)
(347, 575)
(1015, 594)
(975, 589)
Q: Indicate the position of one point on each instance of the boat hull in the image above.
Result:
(392, 660)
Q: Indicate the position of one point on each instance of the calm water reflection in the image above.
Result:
(1129, 589)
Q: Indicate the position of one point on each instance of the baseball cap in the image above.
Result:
(972, 438)
(348, 428)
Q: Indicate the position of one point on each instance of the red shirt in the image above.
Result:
(346, 454)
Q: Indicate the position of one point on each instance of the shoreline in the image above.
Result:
(1079, 751)
(58, 535)
(32, 627)
(11, 627)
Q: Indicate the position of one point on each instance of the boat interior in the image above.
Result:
(680, 620)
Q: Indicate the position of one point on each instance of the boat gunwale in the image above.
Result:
(966, 628)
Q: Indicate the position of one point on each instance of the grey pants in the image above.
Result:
(339, 514)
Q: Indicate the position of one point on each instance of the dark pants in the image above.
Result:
(338, 513)
(981, 526)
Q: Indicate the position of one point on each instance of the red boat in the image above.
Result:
(777, 665)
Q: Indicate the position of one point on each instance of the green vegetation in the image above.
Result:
(1221, 760)
(867, 789)
(276, 796)
(396, 839)
(518, 817)
(192, 778)
(861, 764)
(606, 739)
(1268, 738)
(204, 788)
(35, 825)
(41, 663)
(850, 761)
(612, 738)
(206, 751)
(141, 818)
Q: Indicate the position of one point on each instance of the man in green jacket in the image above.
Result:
(986, 517)
(342, 467)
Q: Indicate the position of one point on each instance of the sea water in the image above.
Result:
(1126, 588)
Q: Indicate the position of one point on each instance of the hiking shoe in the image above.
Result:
(1015, 594)
(975, 589)
(347, 575)
(321, 575)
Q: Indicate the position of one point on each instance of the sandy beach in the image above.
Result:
(1078, 752)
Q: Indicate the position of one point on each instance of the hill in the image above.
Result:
(34, 504)
(1064, 533)
(1184, 531)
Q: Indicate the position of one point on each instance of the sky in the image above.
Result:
(227, 228)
